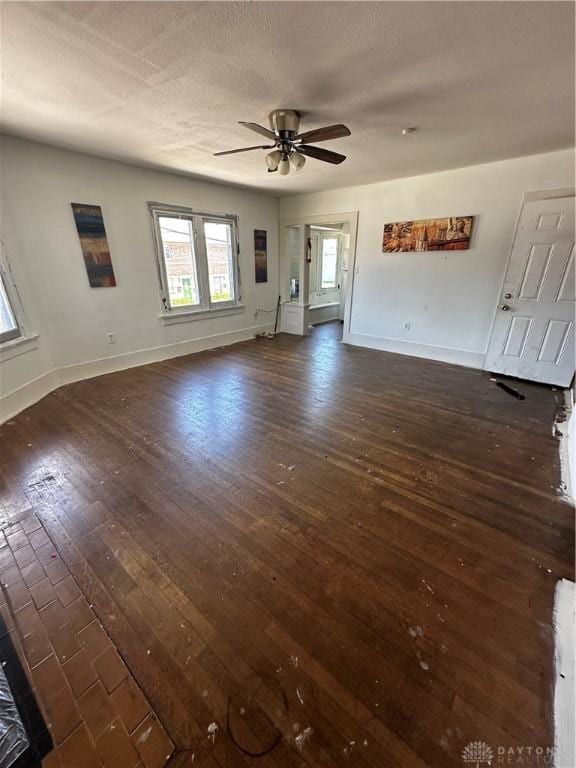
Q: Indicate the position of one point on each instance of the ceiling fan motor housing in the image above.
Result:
(285, 122)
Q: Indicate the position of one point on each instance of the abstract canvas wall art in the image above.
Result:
(92, 234)
(450, 234)
(260, 255)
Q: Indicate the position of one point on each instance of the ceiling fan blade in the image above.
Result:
(244, 149)
(260, 129)
(325, 134)
(321, 154)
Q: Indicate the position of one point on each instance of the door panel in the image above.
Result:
(536, 267)
(549, 221)
(517, 335)
(566, 289)
(553, 342)
(533, 333)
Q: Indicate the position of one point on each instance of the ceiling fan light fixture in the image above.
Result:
(290, 148)
(298, 160)
(273, 159)
(284, 166)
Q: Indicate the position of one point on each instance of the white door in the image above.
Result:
(533, 333)
(294, 274)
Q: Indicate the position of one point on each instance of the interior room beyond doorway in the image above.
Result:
(325, 281)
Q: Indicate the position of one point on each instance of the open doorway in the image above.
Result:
(325, 279)
(316, 274)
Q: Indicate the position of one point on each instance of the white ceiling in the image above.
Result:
(165, 83)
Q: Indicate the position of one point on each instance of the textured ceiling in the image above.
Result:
(164, 84)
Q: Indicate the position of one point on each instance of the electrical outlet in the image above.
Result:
(407, 325)
(111, 338)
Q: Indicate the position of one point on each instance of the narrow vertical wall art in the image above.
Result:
(261, 255)
(92, 234)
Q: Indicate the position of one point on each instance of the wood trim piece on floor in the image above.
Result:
(565, 662)
(566, 431)
(33, 391)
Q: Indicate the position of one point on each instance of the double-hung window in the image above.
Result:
(329, 258)
(197, 258)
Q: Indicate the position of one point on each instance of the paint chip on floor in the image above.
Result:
(212, 731)
(303, 737)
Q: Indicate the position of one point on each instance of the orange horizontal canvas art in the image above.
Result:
(450, 234)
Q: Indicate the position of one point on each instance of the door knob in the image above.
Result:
(507, 295)
(505, 308)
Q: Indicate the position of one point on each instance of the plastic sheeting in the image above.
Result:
(13, 738)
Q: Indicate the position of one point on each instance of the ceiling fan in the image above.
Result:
(290, 147)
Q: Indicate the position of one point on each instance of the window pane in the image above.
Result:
(220, 260)
(329, 262)
(8, 323)
(180, 261)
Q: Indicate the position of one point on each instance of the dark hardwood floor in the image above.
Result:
(350, 552)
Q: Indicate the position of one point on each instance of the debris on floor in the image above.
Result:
(303, 737)
(510, 390)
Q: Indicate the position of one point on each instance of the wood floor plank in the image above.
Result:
(375, 538)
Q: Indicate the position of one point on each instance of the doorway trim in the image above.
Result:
(351, 219)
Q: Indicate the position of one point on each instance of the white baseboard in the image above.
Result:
(88, 370)
(28, 394)
(323, 313)
(413, 349)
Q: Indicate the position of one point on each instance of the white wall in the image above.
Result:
(449, 297)
(38, 184)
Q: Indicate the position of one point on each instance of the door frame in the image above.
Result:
(351, 219)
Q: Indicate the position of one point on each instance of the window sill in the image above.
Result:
(18, 346)
(325, 304)
(174, 318)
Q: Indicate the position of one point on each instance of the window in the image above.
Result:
(329, 263)
(219, 254)
(11, 315)
(198, 259)
(177, 237)
(8, 325)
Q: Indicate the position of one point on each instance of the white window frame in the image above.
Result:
(320, 260)
(19, 333)
(197, 220)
